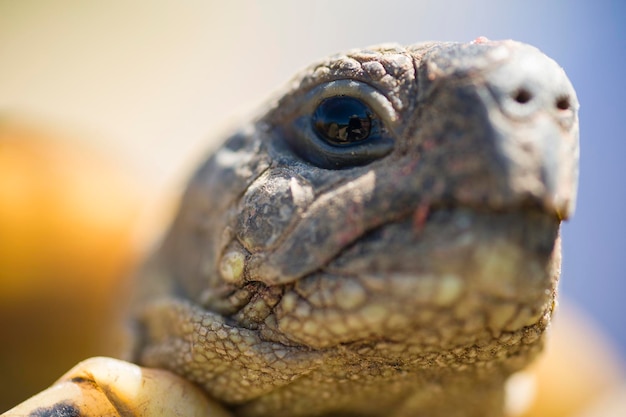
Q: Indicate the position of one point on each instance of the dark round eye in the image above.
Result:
(343, 120)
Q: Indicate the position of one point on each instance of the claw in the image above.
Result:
(110, 387)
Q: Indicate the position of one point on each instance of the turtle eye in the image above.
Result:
(340, 124)
(343, 120)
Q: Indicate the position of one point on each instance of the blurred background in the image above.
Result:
(108, 105)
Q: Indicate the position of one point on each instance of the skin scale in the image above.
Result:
(407, 273)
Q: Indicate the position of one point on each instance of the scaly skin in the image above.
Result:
(406, 274)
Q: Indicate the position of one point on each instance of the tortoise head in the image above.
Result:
(393, 203)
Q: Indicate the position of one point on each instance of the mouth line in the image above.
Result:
(251, 303)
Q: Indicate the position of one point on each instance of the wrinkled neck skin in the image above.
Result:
(452, 361)
(407, 274)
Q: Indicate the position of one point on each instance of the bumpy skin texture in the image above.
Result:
(406, 275)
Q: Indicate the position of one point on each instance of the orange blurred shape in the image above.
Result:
(68, 237)
(578, 368)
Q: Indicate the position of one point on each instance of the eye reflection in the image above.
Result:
(343, 120)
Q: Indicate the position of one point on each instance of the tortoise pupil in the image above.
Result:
(342, 120)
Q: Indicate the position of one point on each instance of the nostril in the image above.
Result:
(522, 96)
(563, 103)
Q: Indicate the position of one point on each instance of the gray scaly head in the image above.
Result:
(384, 240)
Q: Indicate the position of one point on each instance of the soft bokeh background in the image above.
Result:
(154, 83)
